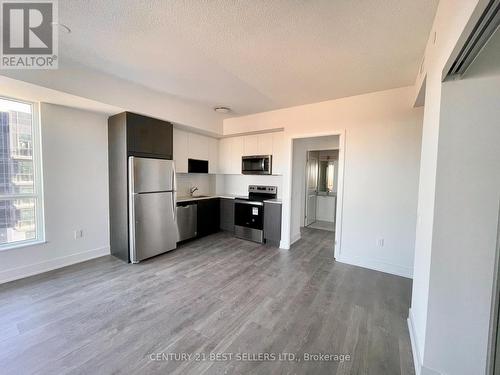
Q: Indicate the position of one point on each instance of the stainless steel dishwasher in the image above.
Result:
(187, 217)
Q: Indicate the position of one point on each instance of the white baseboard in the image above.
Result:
(420, 369)
(284, 245)
(417, 360)
(52, 264)
(375, 264)
(294, 238)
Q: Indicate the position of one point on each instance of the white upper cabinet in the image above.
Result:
(230, 152)
(213, 155)
(194, 146)
(259, 144)
(266, 144)
(237, 150)
(251, 145)
(198, 146)
(225, 155)
(278, 152)
(180, 142)
(233, 148)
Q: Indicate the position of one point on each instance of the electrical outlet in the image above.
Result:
(78, 234)
(380, 242)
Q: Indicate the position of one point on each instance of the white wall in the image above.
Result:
(382, 153)
(450, 21)
(465, 227)
(75, 172)
(299, 161)
(465, 220)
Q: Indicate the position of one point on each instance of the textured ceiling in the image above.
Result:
(250, 55)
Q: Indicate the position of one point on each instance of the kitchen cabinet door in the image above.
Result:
(237, 150)
(266, 144)
(208, 216)
(272, 223)
(197, 146)
(148, 137)
(251, 145)
(227, 214)
(225, 155)
(180, 150)
(278, 153)
(213, 155)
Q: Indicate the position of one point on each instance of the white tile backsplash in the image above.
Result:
(209, 184)
(206, 183)
(238, 184)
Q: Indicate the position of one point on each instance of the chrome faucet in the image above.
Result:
(192, 190)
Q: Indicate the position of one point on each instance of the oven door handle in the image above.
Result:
(250, 203)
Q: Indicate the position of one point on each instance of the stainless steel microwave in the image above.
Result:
(258, 164)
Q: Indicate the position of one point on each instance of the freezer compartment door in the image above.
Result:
(150, 175)
(153, 225)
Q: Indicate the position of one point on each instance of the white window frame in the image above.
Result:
(38, 180)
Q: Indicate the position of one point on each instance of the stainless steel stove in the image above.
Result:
(249, 212)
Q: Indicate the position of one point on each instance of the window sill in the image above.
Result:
(21, 245)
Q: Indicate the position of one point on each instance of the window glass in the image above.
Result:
(18, 198)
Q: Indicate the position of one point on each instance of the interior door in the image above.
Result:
(311, 186)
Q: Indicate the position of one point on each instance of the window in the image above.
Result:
(21, 217)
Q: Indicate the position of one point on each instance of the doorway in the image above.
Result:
(317, 187)
(321, 189)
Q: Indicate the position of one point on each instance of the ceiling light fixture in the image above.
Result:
(222, 109)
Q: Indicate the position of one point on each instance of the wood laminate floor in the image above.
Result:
(218, 294)
(321, 224)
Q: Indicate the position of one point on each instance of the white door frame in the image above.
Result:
(340, 187)
(306, 197)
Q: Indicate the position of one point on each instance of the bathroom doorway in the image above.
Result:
(321, 189)
(316, 188)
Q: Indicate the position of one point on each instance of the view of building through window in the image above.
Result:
(17, 187)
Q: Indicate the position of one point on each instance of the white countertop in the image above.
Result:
(226, 196)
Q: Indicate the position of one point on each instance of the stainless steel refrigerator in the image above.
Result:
(152, 207)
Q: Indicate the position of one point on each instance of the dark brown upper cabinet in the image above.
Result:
(148, 137)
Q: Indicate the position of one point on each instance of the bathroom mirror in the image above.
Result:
(326, 183)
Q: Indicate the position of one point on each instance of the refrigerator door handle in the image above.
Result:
(174, 179)
(174, 206)
(131, 205)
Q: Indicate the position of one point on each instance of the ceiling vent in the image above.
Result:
(482, 32)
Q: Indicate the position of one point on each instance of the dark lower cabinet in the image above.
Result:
(208, 216)
(227, 214)
(272, 223)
